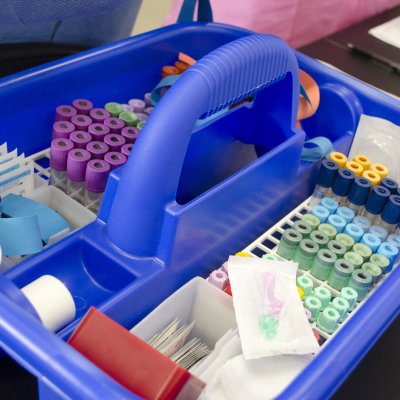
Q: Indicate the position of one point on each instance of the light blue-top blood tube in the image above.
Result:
(342, 184)
(358, 194)
(354, 231)
(375, 203)
(395, 241)
(346, 213)
(338, 222)
(390, 251)
(363, 222)
(378, 231)
(325, 180)
(330, 204)
(321, 212)
(390, 215)
(372, 241)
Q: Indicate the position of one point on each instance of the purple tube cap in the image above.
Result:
(76, 164)
(81, 121)
(62, 129)
(65, 113)
(115, 159)
(148, 110)
(142, 116)
(80, 139)
(59, 150)
(115, 124)
(147, 99)
(97, 149)
(99, 114)
(98, 131)
(83, 106)
(97, 172)
(130, 133)
(137, 104)
(114, 141)
(126, 149)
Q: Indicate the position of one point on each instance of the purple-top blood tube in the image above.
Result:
(62, 129)
(115, 159)
(76, 169)
(115, 124)
(138, 105)
(98, 131)
(114, 141)
(126, 149)
(80, 139)
(97, 172)
(82, 122)
(130, 133)
(65, 113)
(59, 150)
(127, 108)
(142, 116)
(148, 110)
(99, 114)
(83, 106)
(147, 99)
(97, 149)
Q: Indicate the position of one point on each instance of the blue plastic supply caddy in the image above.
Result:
(159, 226)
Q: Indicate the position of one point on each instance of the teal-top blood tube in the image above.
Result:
(288, 243)
(323, 294)
(321, 212)
(305, 253)
(305, 283)
(347, 213)
(350, 295)
(329, 230)
(322, 264)
(313, 304)
(372, 241)
(330, 204)
(320, 238)
(338, 222)
(311, 220)
(381, 261)
(390, 251)
(328, 320)
(114, 108)
(340, 274)
(360, 281)
(354, 258)
(338, 248)
(362, 250)
(342, 306)
(303, 228)
(268, 256)
(345, 239)
(354, 231)
(374, 270)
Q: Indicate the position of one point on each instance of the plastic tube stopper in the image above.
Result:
(355, 167)
(339, 158)
(81, 122)
(372, 241)
(98, 131)
(303, 228)
(320, 238)
(354, 258)
(130, 118)
(363, 160)
(327, 173)
(305, 283)
(363, 222)
(115, 124)
(391, 210)
(99, 115)
(311, 220)
(390, 251)
(380, 169)
(354, 231)
(269, 256)
(372, 176)
(62, 129)
(340, 274)
(381, 261)
(76, 164)
(359, 191)
(83, 106)
(350, 295)
(338, 222)
(346, 213)
(320, 212)
(113, 108)
(379, 231)
(347, 240)
(313, 304)
(360, 281)
(328, 320)
(374, 270)
(288, 243)
(342, 306)
(323, 294)
(328, 229)
(362, 250)
(394, 240)
(336, 247)
(390, 185)
(323, 264)
(305, 253)
(80, 139)
(330, 204)
(65, 113)
(219, 279)
(59, 150)
(343, 181)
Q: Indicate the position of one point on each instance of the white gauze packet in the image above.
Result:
(269, 312)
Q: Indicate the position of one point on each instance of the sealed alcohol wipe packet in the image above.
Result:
(269, 312)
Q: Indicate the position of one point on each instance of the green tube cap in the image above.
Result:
(360, 281)
(303, 227)
(323, 294)
(313, 304)
(269, 256)
(288, 243)
(381, 261)
(342, 306)
(345, 239)
(130, 118)
(322, 264)
(311, 220)
(337, 247)
(305, 283)
(328, 320)
(374, 270)
(320, 238)
(114, 108)
(340, 274)
(305, 253)
(350, 295)
(362, 250)
(354, 258)
(328, 229)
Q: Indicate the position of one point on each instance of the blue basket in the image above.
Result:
(159, 227)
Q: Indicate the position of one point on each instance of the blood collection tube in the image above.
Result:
(390, 215)
(358, 194)
(81, 122)
(83, 106)
(59, 149)
(99, 115)
(80, 139)
(342, 184)
(76, 169)
(115, 124)
(138, 105)
(62, 129)
(114, 141)
(375, 203)
(115, 159)
(64, 113)
(130, 133)
(97, 149)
